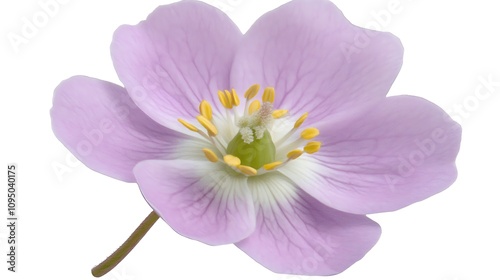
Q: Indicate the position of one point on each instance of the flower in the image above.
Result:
(288, 179)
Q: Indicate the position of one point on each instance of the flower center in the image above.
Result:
(248, 146)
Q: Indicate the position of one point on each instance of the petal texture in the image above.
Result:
(176, 58)
(316, 59)
(401, 151)
(98, 122)
(199, 200)
(296, 234)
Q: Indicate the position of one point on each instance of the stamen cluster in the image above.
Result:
(252, 151)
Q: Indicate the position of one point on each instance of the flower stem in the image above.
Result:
(108, 264)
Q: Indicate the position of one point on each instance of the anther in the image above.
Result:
(312, 147)
(247, 170)
(252, 91)
(211, 156)
(294, 154)
(223, 99)
(232, 160)
(254, 107)
(188, 125)
(309, 133)
(236, 99)
(279, 113)
(272, 165)
(300, 121)
(212, 130)
(229, 97)
(206, 110)
(268, 95)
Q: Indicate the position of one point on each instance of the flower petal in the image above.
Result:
(317, 61)
(199, 200)
(400, 152)
(296, 234)
(98, 122)
(176, 58)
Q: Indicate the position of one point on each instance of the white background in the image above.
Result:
(69, 222)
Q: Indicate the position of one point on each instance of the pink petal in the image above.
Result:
(302, 49)
(176, 58)
(299, 235)
(401, 151)
(98, 122)
(199, 200)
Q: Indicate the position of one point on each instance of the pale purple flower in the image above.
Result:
(301, 213)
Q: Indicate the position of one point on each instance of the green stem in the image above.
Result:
(108, 264)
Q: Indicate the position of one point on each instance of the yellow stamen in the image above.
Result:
(272, 165)
(211, 156)
(252, 91)
(247, 170)
(208, 125)
(312, 147)
(188, 125)
(232, 160)
(254, 106)
(279, 113)
(300, 121)
(223, 99)
(294, 154)
(206, 110)
(229, 97)
(268, 95)
(236, 99)
(309, 133)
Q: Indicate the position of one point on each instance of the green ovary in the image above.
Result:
(255, 154)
